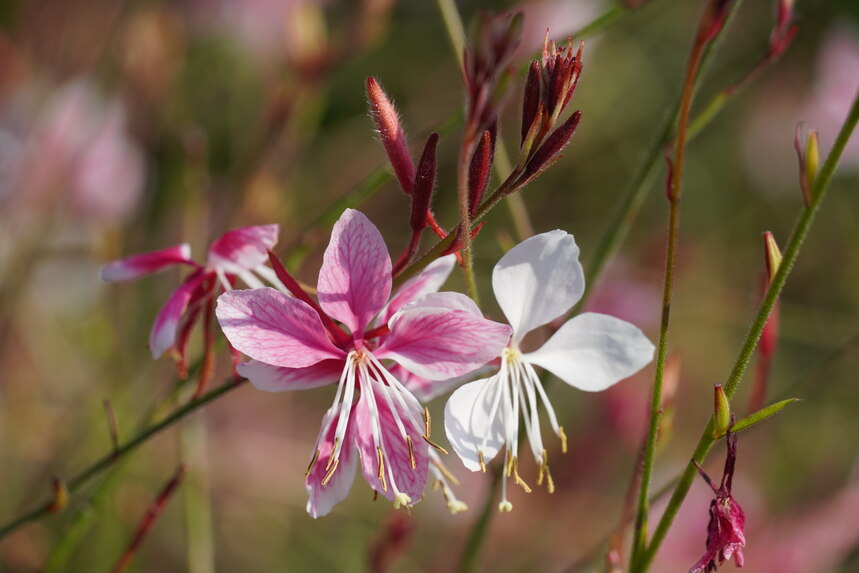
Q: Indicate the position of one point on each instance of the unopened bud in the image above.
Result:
(772, 254)
(61, 496)
(424, 184)
(721, 412)
(478, 172)
(812, 158)
(391, 133)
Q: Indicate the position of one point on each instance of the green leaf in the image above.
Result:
(761, 415)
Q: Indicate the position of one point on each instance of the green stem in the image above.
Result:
(471, 553)
(674, 194)
(791, 253)
(110, 459)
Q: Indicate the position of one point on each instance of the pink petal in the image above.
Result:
(274, 328)
(322, 498)
(411, 482)
(438, 343)
(355, 278)
(163, 335)
(278, 379)
(137, 266)
(430, 280)
(425, 390)
(243, 249)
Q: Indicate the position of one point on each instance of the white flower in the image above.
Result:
(537, 281)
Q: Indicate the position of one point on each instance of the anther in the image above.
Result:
(330, 473)
(518, 479)
(312, 463)
(563, 439)
(411, 452)
(480, 461)
(435, 445)
(331, 458)
(427, 423)
(381, 475)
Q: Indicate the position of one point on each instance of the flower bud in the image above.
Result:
(391, 133)
(61, 496)
(812, 158)
(721, 413)
(772, 254)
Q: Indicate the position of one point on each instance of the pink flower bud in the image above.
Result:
(478, 172)
(424, 185)
(391, 133)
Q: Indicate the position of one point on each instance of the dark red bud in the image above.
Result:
(424, 184)
(391, 133)
(553, 144)
(531, 98)
(478, 172)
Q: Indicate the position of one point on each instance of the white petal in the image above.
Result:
(468, 420)
(538, 280)
(594, 351)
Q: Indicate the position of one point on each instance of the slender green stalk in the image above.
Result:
(791, 253)
(674, 192)
(471, 553)
(110, 459)
(454, 27)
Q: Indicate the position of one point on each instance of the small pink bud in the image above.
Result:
(531, 99)
(391, 133)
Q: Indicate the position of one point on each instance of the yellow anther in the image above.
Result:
(427, 423)
(508, 463)
(381, 474)
(330, 473)
(435, 445)
(312, 463)
(333, 454)
(563, 439)
(480, 461)
(411, 452)
(517, 478)
(445, 472)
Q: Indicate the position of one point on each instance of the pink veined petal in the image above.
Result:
(445, 300)
(410, 481)
(163, 335)
(278, 379)
(274, 328)
(243, 249)
(470, 423)
(137, 266)
(428, 281)
(594, 351)
(355, 278)
(438, 343)
(425, 390)
(322, 498)
(538, 280)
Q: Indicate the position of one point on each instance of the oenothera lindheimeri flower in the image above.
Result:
(375, 422)
(238, 253)
(537, 281)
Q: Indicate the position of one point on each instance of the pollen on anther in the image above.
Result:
(312, 463)
(411, 452)
(330, 473)
(480, 461)
(381, 475)
(331, 458)
(563, 439)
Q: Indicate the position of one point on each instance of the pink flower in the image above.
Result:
(725, 536)
(238, 253)
(375, 422)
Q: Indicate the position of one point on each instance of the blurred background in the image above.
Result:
(132, 126)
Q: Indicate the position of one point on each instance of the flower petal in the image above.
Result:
(445, 300)
(322, 498)
(355, 278)
(538, 280)
(274, 328)
(410, 481)
(163, 335)
(439, 343)
(470, 425)
(137, 266)
(243, 249)
(428, 281)
(594, 351)
(279, 379)
(425, 390)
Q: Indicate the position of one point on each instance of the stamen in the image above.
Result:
(427, 423)
(381, 476)
(435, 445)
(411, 452)
(544, 472)
(312, 463)
(333, 457)
(508, 463)
(517, 478)
(330, 473)
(563, 439)
(480, 461)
